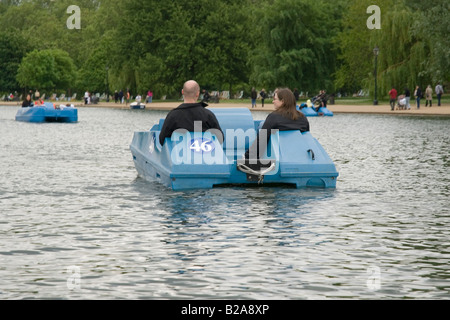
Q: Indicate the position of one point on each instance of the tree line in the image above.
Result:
(224, 45)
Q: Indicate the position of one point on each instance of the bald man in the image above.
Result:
(184, 116)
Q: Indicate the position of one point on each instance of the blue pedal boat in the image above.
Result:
(307, 111)
(137, 105)
(311, 112)
(47, 113)
(324, 111)
(197, 160)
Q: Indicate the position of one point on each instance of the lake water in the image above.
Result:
(78, 223)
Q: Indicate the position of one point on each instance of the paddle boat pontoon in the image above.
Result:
(307, 111)
(310, 111)
(48, 113)
(197, 160)
(137, 105)
(324, 111)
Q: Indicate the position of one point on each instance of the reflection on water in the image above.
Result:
(78, 223)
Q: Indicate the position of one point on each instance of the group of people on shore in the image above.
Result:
(285, 117)
(121, 97)
(403, 101)
(207, 97)
(321, 99)
(35, 99)
(254, 96)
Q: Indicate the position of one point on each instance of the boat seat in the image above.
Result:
(237, 125)
(238, 128)
(161, 122)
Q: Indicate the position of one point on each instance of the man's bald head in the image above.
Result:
(191, 91)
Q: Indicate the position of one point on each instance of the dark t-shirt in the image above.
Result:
(184, 116)
(277, 121)
(26, 104)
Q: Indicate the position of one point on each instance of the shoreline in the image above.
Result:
(443, 110)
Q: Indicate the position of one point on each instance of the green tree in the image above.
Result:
(181, 40)
(223, 48)
(433, 26)
(354, 47)
(402, 55)
(294, 47)
(47, 70)
(12, 50)
(413, 47)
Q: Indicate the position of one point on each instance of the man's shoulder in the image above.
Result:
(191, 108)
(191, 105)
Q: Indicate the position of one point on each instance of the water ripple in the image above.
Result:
(72, 205)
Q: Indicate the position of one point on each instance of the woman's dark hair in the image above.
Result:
(288, 108)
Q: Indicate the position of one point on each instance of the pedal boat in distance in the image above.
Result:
(48, 113)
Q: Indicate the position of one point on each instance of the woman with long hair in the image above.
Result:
(27, 102)
(285, 117)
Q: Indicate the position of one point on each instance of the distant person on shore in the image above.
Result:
(253, 96)
(407, 98)
(439, 92)
(86, 97)
(149, 96)
(116, 96)
(263, 95)
(189, 112)
(418, 95)
(428, 96)
(27, 102)
(284, 118)
(296, 94)
(128, 96)
(393, 98)
(138, 98)
(37, 95)
(206, 96)
(121, 96)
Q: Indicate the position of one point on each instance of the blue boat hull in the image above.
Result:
(47, 113)
(311, 112)
(135, 105)
(323, 111)
(196, 160)
(308, 111)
